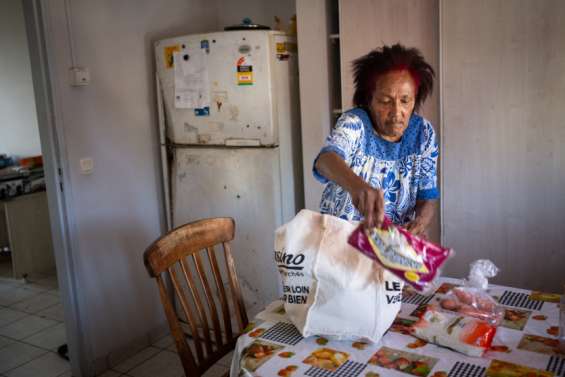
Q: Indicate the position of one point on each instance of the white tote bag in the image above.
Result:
(329, 288)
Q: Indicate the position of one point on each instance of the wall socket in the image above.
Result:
(80, 76)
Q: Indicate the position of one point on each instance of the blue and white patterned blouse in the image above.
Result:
(405, 171)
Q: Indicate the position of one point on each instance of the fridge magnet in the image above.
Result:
(204, 44)
(244, 49)
(202, 111)
(168, 53)
(281, 48)
(282, 52)
(244, 71)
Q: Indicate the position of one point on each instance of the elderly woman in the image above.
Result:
(381, 156)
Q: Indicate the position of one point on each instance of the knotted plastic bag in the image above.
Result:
(472, 299)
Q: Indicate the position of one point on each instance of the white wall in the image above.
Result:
(117, 210)
(19, 135)
(315, 88)
(504, 90)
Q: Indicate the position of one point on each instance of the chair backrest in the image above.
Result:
(178, 254)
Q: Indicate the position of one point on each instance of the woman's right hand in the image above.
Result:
(370, 203)
(368, 200)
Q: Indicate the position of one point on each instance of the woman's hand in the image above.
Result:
(368, 200)
(370, 203)
(417, 227)
(425, 210)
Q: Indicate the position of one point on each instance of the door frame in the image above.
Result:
(56, 166)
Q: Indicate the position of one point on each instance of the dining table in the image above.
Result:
(525, 344)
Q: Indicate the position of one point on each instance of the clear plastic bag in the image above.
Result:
(413, 259)
(472, 299)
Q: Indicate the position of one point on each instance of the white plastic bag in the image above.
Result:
(329, 288)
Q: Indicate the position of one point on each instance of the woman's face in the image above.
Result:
(392, 104)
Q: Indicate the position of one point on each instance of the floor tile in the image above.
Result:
(8, 316)
(164, 364)
(17, 354)
(35, 276)
(34, 287)
(10, 295)
(9, 281)
(55, 312)
(36, 303)
(226, 360)
(26, 326)
(47, 365)
(164, 342)
(50, 338)
(173, 346)
(215, 371)
(50, 282)
(136, 359)
(5, 341)
(54, 292)
(110, 373)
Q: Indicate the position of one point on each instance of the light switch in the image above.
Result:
(86, 165)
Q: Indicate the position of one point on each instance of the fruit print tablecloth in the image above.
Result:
(525, 344)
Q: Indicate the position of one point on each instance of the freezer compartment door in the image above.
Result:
(238, 76)
(242, 183)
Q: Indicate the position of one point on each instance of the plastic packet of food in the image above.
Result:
(472, 299)
(413, 259)
(464, 334)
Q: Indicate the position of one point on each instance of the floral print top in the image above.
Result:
(406, 171)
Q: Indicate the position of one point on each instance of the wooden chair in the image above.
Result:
(178, 253)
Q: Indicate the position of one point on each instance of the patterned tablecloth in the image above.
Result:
(525, 344)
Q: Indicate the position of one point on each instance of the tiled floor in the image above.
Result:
(161, 359)
(32, 328)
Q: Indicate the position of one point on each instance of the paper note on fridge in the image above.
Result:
(191, 80)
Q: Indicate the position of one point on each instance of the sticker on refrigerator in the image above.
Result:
(191, 80)
(244, 71)
(169, 52)
(284, 49)
(202, 112)
(204, 44)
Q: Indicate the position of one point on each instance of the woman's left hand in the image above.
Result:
(416, 227)
(425, 210)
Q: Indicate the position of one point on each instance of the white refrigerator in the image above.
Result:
(230, 140)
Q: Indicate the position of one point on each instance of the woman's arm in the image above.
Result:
(368, 200)
(425, 212)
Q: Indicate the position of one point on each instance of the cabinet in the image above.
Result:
(27, 230)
